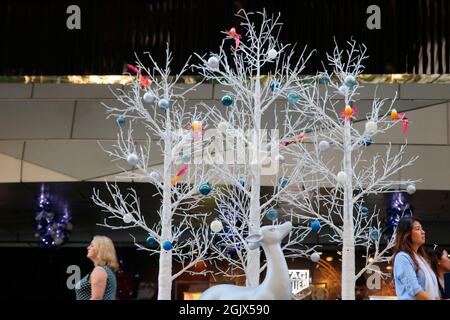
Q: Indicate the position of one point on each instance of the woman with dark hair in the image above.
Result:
(440, 263)
(413, 276)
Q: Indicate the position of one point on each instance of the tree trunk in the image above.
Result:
(253, 256)
(348, 249)
(165, 257)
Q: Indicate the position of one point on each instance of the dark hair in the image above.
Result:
(435, 255)
(403, 241)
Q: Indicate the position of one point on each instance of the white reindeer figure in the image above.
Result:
(276, 285)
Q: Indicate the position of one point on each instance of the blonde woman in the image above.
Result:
(100, 283)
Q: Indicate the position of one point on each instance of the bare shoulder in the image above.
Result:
(98, 274)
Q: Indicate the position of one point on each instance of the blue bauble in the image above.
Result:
(283, 182)
(227, 100)
(205, 189)
(167, 245)
(241, 181)
(315, 225)
(374, 235)
(150, 240)
(292, 97)
(324, 79)
(274, 85)
(364, 211)
(350, 81)
(163, 104)
(272, 214)
(366, 141)
(121, 121)
(186, 158)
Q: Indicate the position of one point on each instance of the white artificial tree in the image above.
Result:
(154, 100)
(256, 71)
(334, 197)
(233, 242)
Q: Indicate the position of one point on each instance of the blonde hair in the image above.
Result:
(106, 253)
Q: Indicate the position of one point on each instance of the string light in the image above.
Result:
(52, 229)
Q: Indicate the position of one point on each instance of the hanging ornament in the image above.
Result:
(149, 97)
(121, 121)
(155, 176)
(324, 145)
(315, 225)
(167, 245)
(232, 34)
(300, 138)
(371, 127)
(150, 240)
(216, 226)
(127, 218)
(272, 54)
(350, 81)
(292, 97)
(163, 104)
(132, 159)
(179, 174)
(411, 189)
(342, 177)
(274, 85)
(394, 115)
(226, 100)
(348, 112)
(283, 182)
(241, 181)
(366, 141)
(213, 62)
(272, 214)
(186, 158)
(400, 116)
(315, 257)
(196, 125)
(364, 211)
(197, 128)
(145, 81)
(205, 189)
(404, 122)
(374, 235)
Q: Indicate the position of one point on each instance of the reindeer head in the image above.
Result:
(269, 235)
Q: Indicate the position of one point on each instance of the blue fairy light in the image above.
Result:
(52, 229)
